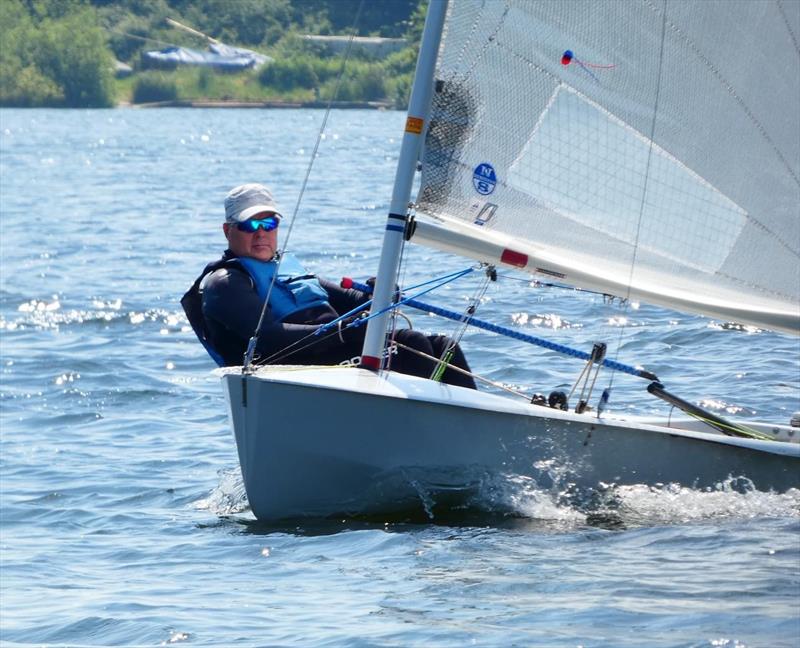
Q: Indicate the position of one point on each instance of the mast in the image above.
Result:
(416, 121)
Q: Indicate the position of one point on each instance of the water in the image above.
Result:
(123, 517)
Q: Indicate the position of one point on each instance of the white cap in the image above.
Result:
(247, 200)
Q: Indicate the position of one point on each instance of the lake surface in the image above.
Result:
(123, 517)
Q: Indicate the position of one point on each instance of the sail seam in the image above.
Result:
(460, 56)
(489, 41)
(748, 215)
(788, 26)
(729, 88)
(749, 284)
(766, 229)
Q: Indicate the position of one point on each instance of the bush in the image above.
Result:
(370, 84)
(73, 52)
(150, 87)
(60, 60)
(401, 92)
(124, 46)
(362, 82)
(28, 88)
(205, 79)
(287, 75)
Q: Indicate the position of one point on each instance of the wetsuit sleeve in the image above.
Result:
(343, 300)
(232, 307)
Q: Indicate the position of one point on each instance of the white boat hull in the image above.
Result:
(320, 441)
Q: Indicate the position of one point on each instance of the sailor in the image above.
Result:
(225, 302)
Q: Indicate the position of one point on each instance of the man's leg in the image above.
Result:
(451, 377)
(407, 361)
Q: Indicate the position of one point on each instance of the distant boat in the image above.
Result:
(218, 56)
(646, 150)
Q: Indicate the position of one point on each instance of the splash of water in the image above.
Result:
(229, 497)
(562, 504)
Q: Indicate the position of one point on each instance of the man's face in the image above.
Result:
(259, 244)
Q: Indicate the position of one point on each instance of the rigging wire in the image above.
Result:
(474, 376)
(315, 338)
(627, 300)
(290, 349)
(401, 270)
(536, 283)
(461, 328)
(251, 346)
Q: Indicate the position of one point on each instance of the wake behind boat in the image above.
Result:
(635, 149)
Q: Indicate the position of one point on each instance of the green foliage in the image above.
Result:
(150, 87)
(362, 80)
(53, 57)
(205, 80)
(60, 52)
(400, 91)
(369, 85)
(399, 68)
(30, 88)
(249, 23)
(387, 18)
(288, 74)
(126, 37)
(402, 62)
(73, 52)
(19, 82)
(54, 9)
(415, 24)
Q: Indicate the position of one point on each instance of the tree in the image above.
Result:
(53, 53)
(22, 83)
(73, 51)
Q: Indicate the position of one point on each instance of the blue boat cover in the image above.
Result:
(219, 56)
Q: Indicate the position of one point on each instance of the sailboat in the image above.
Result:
(648, 150)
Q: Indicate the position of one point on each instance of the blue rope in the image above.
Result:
(502, 330)
(366, 288)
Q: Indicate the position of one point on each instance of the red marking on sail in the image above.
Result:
(514, 258)
(597, 65)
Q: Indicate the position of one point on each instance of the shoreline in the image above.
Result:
(187, 103)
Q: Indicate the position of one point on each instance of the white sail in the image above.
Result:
(649, 149)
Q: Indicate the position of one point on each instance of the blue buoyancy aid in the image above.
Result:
(295, 288)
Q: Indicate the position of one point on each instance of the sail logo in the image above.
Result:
(485, 214)
(484, 179)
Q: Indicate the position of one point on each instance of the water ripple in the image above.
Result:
(123, 520)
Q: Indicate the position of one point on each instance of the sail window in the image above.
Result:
(590, 167)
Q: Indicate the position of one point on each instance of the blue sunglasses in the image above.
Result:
(252, 225)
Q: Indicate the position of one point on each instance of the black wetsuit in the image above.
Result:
(223, 307)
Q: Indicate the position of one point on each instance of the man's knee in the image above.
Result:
(416, 340)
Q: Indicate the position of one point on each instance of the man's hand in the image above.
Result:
(395, 297)
(350, 328)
